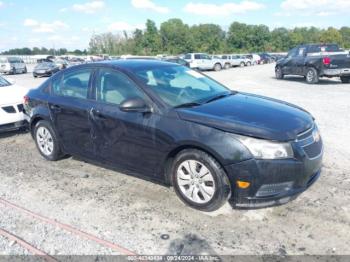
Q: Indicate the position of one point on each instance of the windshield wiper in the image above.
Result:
(192, 104)
(217, 98)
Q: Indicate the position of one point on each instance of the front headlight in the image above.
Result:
(264, 149)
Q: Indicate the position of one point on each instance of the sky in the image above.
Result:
(71, 23)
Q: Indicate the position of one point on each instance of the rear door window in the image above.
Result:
(73, 84)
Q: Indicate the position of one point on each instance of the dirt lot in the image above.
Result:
(137, 214)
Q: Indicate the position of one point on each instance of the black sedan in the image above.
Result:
(170, 124)
(45, 69)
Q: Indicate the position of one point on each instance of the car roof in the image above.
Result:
(134, 64)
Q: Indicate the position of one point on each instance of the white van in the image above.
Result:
(12, 65)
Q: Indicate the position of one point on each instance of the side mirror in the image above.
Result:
(135, 104)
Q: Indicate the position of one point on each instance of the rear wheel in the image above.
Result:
(249, 64)
(199, 180)
(25, 70)
(242, 64)
(345, 79)
(217, 67)
(279, 73)
(312, 76)
(46, 141)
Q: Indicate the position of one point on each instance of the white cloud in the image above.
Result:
(320, 7)
(1, 4)
(123, 26)
(88, 7)
(225, 9)
(150, 5)
(39, 27)
(30, 22)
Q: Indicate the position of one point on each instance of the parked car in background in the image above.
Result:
(266, 58)
(314, 61)
(11, 105)
(227, 61)
(174, 125)
(176, 60)
(45, 69)
(61, 63)
(12, 65)
(254, 58)
(203, 61)
(248, 59)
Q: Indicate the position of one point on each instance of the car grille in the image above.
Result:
(9, 109)
(311, 142)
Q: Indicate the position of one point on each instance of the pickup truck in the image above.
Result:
(203, 61)
(314, 61)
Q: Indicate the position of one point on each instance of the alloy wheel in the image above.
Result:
(45, 141)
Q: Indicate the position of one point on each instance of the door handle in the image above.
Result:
(56, 108)
(96, 115)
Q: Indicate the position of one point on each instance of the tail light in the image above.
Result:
(326, 61)
(26, 100)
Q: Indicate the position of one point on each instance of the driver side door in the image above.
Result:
(125, 139)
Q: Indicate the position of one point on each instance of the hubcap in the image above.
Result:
(45, 141)
(195, 181)
(310, 75)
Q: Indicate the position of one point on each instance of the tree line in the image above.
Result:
(43, 51)
(176, 37)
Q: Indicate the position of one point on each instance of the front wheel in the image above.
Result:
(46, 141)
(345, 79)
(312, 76)
(200, 181)
(217, 67)
(249, 64)
(279, 73)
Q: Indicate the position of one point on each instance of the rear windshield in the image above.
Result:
(188, 56)
(323, 48)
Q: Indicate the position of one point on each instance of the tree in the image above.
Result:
(331, 35)
(176, 37)
(345, 33)
(151, 38)
(209, 38)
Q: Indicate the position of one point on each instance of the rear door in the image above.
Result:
(70, 106)
(299, 61)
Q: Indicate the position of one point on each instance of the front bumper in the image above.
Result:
(13, 126)
(276, 182)
(336, 72)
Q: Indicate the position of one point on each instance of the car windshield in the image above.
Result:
(178, 85)
(4, 82)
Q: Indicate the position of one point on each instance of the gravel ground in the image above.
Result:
(135, 213)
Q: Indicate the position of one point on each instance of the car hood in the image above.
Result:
(251, 115)
(12, 94)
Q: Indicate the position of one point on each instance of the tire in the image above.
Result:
(217, 67)
(25, 70)
(345, 79)
(279, 73)
(208, 192)
(242, 64)
(312, 76)
(248, 64)
(49, 146)
(227, 66)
